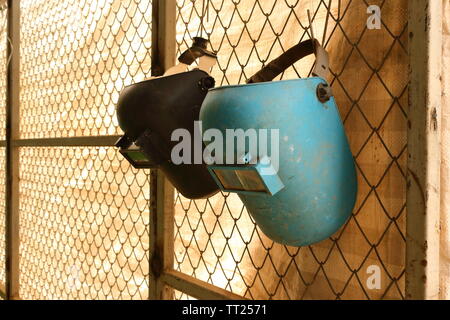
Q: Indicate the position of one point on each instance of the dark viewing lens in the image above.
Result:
(137, 156)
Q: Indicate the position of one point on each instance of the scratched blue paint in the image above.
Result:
(316, 164)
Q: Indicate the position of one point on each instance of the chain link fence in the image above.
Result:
(83, 225)
(76, 57)
(217, 241)
(84, 212)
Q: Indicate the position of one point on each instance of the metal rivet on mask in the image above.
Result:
(206, 83)
(323, 92)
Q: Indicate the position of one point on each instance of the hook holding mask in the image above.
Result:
(198, 50)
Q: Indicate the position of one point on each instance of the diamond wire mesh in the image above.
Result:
(3, 67)
(76, 57)
(84, 213)
(217, 241)
(178, 295)
(84, 225)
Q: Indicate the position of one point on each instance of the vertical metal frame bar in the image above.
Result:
(163, 276)
(162, 192)
(424, 125)
(163, 35)
(12, 151)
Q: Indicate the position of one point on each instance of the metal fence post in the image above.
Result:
(162, 192)
(424, 125)
(12, 151)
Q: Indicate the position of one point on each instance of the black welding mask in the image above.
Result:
(150, 111)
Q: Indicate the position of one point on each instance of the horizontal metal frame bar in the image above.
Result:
(197, 288)
(96, 141)
(186, 284)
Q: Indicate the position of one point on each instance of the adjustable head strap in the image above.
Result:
(288, 58)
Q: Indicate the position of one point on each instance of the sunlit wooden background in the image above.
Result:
(84, 214)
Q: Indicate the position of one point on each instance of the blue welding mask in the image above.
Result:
(299, 183)
(150, 111)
